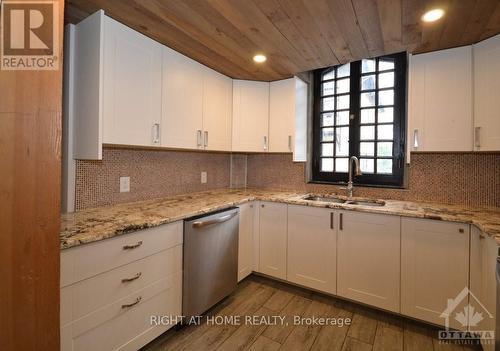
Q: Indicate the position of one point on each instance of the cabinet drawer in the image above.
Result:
(84, 297)
(117, 328)
(89, 260)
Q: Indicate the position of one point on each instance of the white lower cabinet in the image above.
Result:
(311, 252)
(273, 239)
(111, 289)
(368, 261)
(434, 270)
(246, 240)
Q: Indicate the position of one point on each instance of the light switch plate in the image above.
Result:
(124, 184)
(203, 177)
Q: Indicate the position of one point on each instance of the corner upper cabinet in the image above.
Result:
(117, 87)
(288, 117)
(250, 116)
(440, 101)
(486, 88)
(182, 101)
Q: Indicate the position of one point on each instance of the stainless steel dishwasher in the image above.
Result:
(210, 270)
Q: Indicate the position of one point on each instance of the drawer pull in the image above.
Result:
(331, 220)
(137, 276)
(341, 221)
(133, 303)
(131, 247)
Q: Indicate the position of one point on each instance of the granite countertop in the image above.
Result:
(105, 222)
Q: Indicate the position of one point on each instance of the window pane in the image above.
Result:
(327, 119)
(384, 166)
(384, 131)
(344, 70)
(327, 149)
(368, 115)
(328, 103)
(366, 149)
(342, 102)
(385, 114)
(327, 165)
(343, 85)
(342, 118)
(341, 164)
(342, 141)
(367, 99)
(366, 165)
(384, 149)
(328, 88)
(386, 97)
(327, 134)
(368, 65)
(367, 132)
(386, 80)
(368, 82)
(329, 74)
(384, 64)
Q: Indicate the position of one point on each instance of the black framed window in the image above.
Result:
(360, 111)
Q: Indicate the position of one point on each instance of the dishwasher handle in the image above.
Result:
(201, 224)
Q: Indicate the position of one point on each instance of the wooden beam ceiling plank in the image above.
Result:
(493, 26)
(366, 12)
(457, 16)
(310, 30)
(479, 20)
(412, 10)
(343, 13)
(390, 16)
(320, 10)
(433, 31)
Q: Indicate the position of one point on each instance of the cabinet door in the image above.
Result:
(250, 116)
(440, 107)
(245, 240)
(281, 115)
(217, 108)
(131, 86)
(486, 88)
(182, 101)
(312, 241)
(368, 265)
(272, 239)
(434, 269)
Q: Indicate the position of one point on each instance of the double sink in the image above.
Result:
(346, 201)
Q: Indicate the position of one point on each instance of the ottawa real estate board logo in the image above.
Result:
(29, 35)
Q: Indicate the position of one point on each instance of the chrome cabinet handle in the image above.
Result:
(205, 139)
(331, 220)
(477, 141)
(133, 303)
(201, 224)
(198, 138)
(415, 139)
(137, 276)
(134, 246)
(156, 133)
(265, 142)
(289, 143)
(341, 221)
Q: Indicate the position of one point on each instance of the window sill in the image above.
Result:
(401, 187)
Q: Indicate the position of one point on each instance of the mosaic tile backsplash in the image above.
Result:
(455, 178)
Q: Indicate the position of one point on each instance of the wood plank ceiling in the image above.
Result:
(296, 35)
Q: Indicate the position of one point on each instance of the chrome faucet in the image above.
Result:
(350, 187)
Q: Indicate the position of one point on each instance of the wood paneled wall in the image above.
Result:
(30, 161)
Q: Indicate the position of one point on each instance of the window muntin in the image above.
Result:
(360, 110)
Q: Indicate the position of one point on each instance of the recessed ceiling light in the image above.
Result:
(433, 15)
(259, 58)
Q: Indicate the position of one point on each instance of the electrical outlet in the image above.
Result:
(124, 184)
(203, 177)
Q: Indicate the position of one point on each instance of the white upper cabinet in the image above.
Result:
(182, 101)
(440, 101)
(250, 116)
(217, 110)
(434, 269)
(288, 117)
(368, 259)
(132, 86)
(486, 88)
